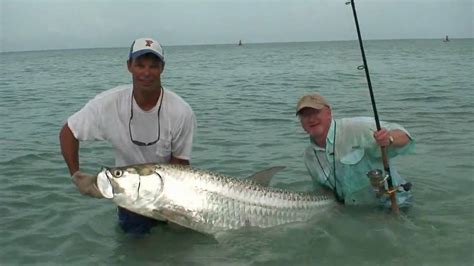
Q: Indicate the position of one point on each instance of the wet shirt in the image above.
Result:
(107, 117)
(351, 152)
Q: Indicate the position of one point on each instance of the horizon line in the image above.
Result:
(236, 43)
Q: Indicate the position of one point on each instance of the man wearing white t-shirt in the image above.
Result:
(144, 122)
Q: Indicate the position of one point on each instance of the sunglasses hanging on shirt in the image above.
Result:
(139, 143)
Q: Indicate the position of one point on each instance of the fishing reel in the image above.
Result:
(378, 180)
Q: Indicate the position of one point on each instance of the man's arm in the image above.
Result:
(86, 183)
(175, 160)
(69, 148)
(396, 138)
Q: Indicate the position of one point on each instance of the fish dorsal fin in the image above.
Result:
(263, 177)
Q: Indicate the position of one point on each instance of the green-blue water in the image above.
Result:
(244, 99)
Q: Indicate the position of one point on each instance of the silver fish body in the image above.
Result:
(204, 201)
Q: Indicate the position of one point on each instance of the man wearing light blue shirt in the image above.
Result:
(343, 151)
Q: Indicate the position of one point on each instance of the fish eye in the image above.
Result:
(117, 173)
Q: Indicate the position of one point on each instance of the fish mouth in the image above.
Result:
(104, 185)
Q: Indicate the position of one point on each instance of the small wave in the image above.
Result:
(269, 120)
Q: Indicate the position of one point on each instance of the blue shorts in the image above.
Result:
(133, 223)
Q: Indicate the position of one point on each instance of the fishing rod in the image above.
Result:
(391, 191)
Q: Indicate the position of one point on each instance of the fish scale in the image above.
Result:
(205, 201)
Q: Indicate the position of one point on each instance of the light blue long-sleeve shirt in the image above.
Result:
(352, 143)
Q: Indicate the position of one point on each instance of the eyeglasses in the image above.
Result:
(307, 113)
(139, 143)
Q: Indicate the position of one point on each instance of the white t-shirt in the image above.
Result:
(107, 117)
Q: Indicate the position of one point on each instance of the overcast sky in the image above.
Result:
(64, 24)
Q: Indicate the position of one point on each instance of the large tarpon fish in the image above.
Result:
(207, 202)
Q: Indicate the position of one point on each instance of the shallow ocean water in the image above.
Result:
(244, 99)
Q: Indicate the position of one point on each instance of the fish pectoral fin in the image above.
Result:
(264, 177)
(178, 215)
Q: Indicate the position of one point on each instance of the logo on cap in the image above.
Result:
(148, 43)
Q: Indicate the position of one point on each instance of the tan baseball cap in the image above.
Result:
(314, 100)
